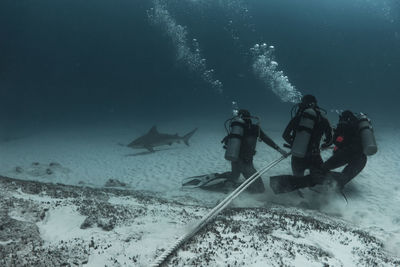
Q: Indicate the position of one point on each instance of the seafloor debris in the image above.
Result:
(37, 169)
(46, 224)
(114, 183)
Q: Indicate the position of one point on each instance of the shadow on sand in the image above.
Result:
(143, 153)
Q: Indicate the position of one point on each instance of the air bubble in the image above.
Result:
(190, 55)
(264, 67)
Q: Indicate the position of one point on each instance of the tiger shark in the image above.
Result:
(154, 139)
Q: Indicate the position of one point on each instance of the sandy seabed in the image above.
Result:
(80, 198)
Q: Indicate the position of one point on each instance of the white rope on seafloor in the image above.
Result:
(215, 211)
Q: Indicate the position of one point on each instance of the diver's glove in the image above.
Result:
(283, 152)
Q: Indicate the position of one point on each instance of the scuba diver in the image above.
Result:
(240, 145)
(354, 141)
(303, 135)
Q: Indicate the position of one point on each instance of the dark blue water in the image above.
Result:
(96, 59)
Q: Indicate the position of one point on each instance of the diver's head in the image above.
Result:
(347, 116)
(245, 115)
(308, 101)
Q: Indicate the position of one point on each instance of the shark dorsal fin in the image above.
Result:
(153, 130)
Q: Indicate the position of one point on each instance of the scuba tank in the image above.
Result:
(234, 139)
(303, 133)
(367, 135)
(235, 135)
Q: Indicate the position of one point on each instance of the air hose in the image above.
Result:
(215, 211)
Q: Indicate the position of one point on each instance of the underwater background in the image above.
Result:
(140, 60)
(80, 80)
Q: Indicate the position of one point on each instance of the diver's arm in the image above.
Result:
(287, 134)
(344, 136)
(328, 133)
(266, 139)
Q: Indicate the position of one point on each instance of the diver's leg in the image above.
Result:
(339, 159)
(355, 166)
(288, 183)
(315, 163)
(232, 175)
(317, 173)
(235, 173)
(298, 166)
(248, 170)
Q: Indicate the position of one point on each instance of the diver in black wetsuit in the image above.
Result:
(306, 128)
(312, 159)
(244, 165)
(348, 151)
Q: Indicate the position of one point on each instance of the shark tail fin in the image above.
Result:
(187, 137)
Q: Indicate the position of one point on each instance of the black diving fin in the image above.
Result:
(288, 183)
(204, 181)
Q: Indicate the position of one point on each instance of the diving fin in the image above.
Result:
(203, 181)
(288, 183)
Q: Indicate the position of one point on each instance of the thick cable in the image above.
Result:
(215, 211)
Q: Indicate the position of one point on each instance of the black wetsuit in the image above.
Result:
(312, 159)
(348, 151)
(247, 151)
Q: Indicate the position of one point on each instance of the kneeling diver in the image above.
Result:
(303, 135)
(354, 141)
(240, 144)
